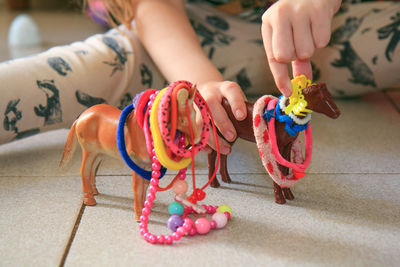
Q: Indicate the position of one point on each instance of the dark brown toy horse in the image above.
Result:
(319, 100)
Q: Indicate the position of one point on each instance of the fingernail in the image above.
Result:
(239, 114)
(287, 92)
(230, 135)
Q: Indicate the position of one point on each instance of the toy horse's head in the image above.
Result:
(320, 100)
(186, 98)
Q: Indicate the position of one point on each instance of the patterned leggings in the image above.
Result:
(50, 90)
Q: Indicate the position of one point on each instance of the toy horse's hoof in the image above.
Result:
(88, 199)
(215, 183)
(226, 178)
(288, 193)
(280, 201)
(95, 191)
(137, 217)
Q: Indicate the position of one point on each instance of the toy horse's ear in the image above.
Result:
(182, 96)
(192, 92)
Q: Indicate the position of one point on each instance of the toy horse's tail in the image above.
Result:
(70, 146)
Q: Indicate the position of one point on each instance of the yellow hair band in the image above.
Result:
(159, 147)
(297, 103)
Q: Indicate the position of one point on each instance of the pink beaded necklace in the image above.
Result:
(179, 221)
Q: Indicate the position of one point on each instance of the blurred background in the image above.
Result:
(47, 23)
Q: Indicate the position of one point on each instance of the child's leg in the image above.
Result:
(50, 90)
(364, 51)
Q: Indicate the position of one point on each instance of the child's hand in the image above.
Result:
(213, 92)
(291, 31)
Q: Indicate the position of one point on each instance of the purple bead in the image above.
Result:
(174, 222)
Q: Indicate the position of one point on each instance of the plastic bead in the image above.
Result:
(182, 176)
(224, 208)
(150, 197)
(181, 231)
(192, 231)
(213, 224)
(155, 173)
(154, 182)
(160, 239)
(145, 211)
(168, 239)
(176, 236)
(143, 225)
(176, 208)
(153, 189)
(220, 218)
(227, 214)
(152, 239)
(174, 222)
(180, 187)
(156, 166)
(202, 226)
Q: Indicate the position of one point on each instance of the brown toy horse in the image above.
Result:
(319, 100)
(95, 129)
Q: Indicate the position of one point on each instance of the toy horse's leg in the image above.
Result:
(139, 186)
(93, 175)
(288, 194)
(279, 198)
(211, 168)
(87, 170)
(223, 169)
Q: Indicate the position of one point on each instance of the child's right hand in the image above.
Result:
(213, 92)
(291, 32)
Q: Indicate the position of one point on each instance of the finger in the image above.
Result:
(266, 31)
(235, 96)
(282, 41)
(224, 147)
(300, 67)
(279, 71)
(207, 149)
(303, 39)
(221, 120)
(321, 30)
(281, 77)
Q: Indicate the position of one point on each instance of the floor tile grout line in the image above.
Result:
(391, 101)
(72, 236)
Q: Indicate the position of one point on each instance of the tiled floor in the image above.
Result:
(346, 211)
